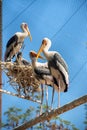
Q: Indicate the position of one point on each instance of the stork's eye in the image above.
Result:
(25, 26)
(44, 42)
(31, 54)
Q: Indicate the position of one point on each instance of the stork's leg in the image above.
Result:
(46, 97)
(52, 98)
(59, 94)
(42, 96)
(14, 52)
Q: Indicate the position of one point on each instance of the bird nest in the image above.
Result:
(21, 77)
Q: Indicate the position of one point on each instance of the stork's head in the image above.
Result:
(25, 28)
(46, 44)
(19, 55)
(33, 55)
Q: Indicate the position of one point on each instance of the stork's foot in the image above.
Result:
(41, 109)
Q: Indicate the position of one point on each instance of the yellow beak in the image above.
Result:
(40, 50)
(38, 56)
(30, 36)
(34, 54)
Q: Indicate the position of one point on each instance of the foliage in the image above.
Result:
(28, 114)
(85, 121)
(15, 117)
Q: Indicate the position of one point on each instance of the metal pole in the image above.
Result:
(0, 59)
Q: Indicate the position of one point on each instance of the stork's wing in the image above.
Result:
(58, 66)
(42, 71)
(12, 47)
(25, 62)
(12, 41)
(62, 67)
(63, 72)
(9, 47)
(44, 74)
(59, 59)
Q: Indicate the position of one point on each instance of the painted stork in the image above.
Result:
(40, 70)
(57, 65)
(42, 73)
(20, 60)
(15, 43)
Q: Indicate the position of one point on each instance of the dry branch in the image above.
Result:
(20, 96)
(48, 116)
(21, 77)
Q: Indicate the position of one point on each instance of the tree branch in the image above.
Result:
(20, 96)
(48, 116)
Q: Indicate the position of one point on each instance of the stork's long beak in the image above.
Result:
(40, 50)
(29, 34)
(34, 54)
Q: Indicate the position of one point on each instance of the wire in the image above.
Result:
(30, 4)
(27, 7)
(60, 31)
(78, 71)
(69, 19)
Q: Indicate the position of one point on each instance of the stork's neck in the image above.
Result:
(47, 54)
(21, 35)
(34, 62)
(24, 33)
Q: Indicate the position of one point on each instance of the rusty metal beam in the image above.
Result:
(0, 59)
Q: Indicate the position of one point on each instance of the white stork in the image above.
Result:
(20, 60)
(57, 65)
(42, 73)
(15, 43)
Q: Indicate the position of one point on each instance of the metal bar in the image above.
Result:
(0, 60)
(20, 96)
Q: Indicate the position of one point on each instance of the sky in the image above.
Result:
(64, 22)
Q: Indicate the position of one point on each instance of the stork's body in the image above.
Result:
(57, 65)
(15, 43)
(42, 73)
(59, 71)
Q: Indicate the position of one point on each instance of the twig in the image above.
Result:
(49, 115)
(20, 96)
(20, 75)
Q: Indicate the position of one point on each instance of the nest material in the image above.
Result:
(21, 77)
